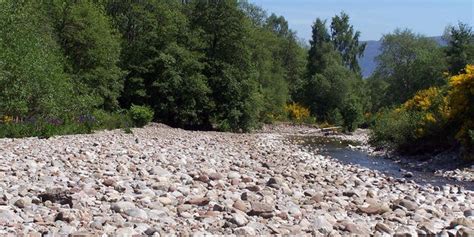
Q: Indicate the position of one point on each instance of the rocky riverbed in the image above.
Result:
(160, 181)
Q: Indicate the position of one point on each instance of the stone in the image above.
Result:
(200, 201)
(409, 205)
(322, 225)
(274, 182)
(383, 228)
(261, 208)
(215, 176)
(356, 229)
(122, 206)
(126, 231)
(241, 206)
(233, 175)
(109, 182)
(462, 221)
(82, 234)
(239, 219)
(375, 209)
(245, 231)
(137, 213)
(165, 201)
(23, 202)
(468, 213)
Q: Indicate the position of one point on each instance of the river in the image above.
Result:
(341, 151)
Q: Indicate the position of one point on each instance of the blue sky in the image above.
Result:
(374, 17)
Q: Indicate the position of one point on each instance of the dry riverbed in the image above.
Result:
(160, 180)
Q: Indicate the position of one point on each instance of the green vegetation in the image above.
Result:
(434, 86)
(70, 66)
(141, 115)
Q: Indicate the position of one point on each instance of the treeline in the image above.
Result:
(200, 64)
(423, 94)
(196, 64)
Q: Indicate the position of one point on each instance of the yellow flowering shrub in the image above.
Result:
(423, 100)
(435, 117)
(6, 119)
(297, 112)
(461, 104)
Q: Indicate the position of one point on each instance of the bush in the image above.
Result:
(394, 129)
(352, 115)
(297, 113)
(335, 117)
(114, 120)
(434, 119)
(141, 115)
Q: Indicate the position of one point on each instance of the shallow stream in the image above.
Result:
(341, 151)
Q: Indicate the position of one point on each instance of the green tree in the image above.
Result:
(92, 48)
(163, 63)
(224, 30)
(32, 80)
(320, 46)
(346, 41)
(328, 90)
(460, 50)
(408, 63)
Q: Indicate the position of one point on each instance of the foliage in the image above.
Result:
(141, 115)
(433, 119)
(32, 80)
(110, 120)
(334, 90)
(352, 113)
(461, 107)
(334, 117)
(224, 31)
(346, 42)
(408, 63)
(92, 49)
(297, 112)
(460, 50)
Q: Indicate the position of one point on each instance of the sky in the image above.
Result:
(374, 18)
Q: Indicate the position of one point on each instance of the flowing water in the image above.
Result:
(341, 151)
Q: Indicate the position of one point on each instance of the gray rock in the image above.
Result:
(137, 213)
(233, 175)
(322, 225)
(122, 206)
(245, 231)
(239, 219)
(383, 228)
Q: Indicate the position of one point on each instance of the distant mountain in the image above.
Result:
(372, 50)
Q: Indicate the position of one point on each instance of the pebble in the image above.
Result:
(164, 181)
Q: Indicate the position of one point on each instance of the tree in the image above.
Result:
(165, 71)
(328, 90)
(92, 49)
(224, 29)
(460, 50)
(346, 41)
(408, 63)
(32, 79)
(320, 46)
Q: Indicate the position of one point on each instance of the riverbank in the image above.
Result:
(448, 164)
(164, 180)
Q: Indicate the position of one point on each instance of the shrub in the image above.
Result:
(114, 120)
(141, 115)
(297, 113)
(394, 129)
(433, 119)
(335, 117)
(352, 114)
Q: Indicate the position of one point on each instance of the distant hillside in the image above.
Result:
(367, 62)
